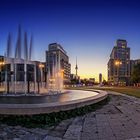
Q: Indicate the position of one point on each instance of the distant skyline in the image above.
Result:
(87, 29)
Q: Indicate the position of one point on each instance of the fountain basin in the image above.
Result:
(29, 105)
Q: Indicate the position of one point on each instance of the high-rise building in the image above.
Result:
(57, 58)
(119, 68)
(100, 78)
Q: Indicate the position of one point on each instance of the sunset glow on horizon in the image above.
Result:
(85, 29)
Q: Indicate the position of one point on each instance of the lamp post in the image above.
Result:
(1, 64)
(117, 64)
(39, 76)
(41, 66)
(28, 81)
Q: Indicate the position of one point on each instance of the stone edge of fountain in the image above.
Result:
(42, 108)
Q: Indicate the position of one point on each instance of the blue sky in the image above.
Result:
(87, 29)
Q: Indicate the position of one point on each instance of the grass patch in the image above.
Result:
(47, 120)
(128, 91)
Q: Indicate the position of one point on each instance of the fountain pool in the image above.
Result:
(27, 105)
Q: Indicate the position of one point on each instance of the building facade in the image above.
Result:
(57, 60)
(119, 64)
(17, 69)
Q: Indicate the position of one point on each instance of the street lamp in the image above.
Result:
(117, 64)
(41, 66)
(1, 64)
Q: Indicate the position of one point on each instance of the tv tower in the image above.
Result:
(76, 67)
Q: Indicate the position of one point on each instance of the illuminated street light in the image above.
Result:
(41, 66)
(2, 63)
(118, 62)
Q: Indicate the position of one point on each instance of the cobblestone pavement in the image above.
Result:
(118, 120)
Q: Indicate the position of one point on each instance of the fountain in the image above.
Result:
(19, 70)
(55, 80)
(22, 75)
(22, 80)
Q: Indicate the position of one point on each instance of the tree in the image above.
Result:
(136, 74)
(105, 82)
